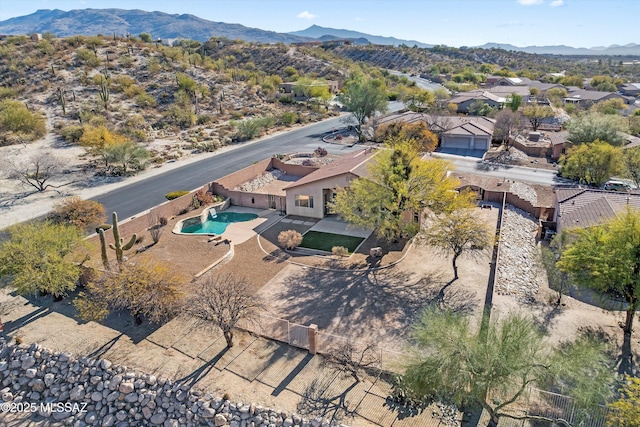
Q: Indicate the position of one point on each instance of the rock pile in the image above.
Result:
(260, 181)
(88, 392)
(518, 273)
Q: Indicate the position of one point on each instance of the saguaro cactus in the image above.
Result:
(103, 249)
(63, 103)
(118, 246)
(103, 93)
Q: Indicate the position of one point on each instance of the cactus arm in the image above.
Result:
(129, 245)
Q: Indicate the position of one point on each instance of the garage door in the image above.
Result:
(481, 144)
(456, 142)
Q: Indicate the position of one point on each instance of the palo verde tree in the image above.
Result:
(592, 126)
(493, 369)
(364, 97)
(607, 258)
(400, 184)
(626, 410)
(537, 113)
(222, 302)
(147, 288)
(631, 159)
(43, 257)
(419, 133)
(592, 163)
(458, 232)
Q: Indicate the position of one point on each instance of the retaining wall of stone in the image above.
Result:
(89, 392)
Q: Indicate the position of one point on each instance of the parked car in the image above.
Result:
(616, 186)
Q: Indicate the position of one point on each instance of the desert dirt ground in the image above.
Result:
(350, 301)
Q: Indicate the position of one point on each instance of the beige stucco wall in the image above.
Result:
(314, 189)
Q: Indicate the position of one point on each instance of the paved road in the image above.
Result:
(139, 196)
(518, 173)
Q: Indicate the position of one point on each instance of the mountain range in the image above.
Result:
(168, 26)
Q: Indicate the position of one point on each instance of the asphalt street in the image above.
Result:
(131, 199)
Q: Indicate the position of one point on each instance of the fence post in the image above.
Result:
(313, 338)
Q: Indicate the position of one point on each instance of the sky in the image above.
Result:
(577, 23)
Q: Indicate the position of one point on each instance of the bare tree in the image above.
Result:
(508, 124)
(37, 171)
(156, 224)
(438, 123)
(350, 359)
(222, 302)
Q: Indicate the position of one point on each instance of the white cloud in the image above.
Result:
(530, 2)
(556, 3)
(306, 15)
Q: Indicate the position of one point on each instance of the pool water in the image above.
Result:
(219, 223)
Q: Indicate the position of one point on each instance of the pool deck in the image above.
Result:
(240, 232)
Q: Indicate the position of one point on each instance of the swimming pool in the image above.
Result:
(216, 223)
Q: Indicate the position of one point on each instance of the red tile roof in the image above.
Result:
(580, 207)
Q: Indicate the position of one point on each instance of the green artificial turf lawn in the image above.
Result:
(325, 241)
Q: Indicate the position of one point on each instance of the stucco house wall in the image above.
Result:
(315, 190)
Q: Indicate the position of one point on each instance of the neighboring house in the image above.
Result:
(582, 96)
(629, 89)
(586, 207)
(506, 91)
(544, 87)
(473, 133)
(508, 81)
(467, 132)
(464, 100)
(542, 143)
(310, 195)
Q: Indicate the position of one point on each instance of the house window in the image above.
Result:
(253, 200)
(303, 201)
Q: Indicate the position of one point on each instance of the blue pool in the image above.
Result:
(218, 223)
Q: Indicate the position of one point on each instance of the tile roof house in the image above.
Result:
(465, 99)
(309, 196)
(630, 89)
(589, 96)
(586, 207)
(465, 132)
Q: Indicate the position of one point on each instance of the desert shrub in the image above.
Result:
(16, 119)
(7, 92)
(340, 251)
(203, 119)
(175, 194)
(180, 116)
(320, 152)
(204, 197)
(145, 100)
(72, 133)
(290, 239)
(104, 227)
(84, 214)
(285, 99)
(288, 118)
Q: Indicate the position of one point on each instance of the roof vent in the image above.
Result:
(534, 136)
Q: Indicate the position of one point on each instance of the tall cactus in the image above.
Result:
(104, 93)
(118, 246)
(62, 100)
(103, 250)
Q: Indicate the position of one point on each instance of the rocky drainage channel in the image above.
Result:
(88, 392)
(519, 272)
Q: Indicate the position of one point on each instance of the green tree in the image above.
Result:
(607, 257)
(609, 106)
(418, 99)
(127, 155)
(536, 114)
(145, 37)
(480, 108)
(494, 368)
(593, 163)
(458, 232)
(514, 101)
(401, 183)
(631, 158)
(42, 257)
(363, 98)
(147, 288)
(626, 410)
(591, 126)
(418, 132)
